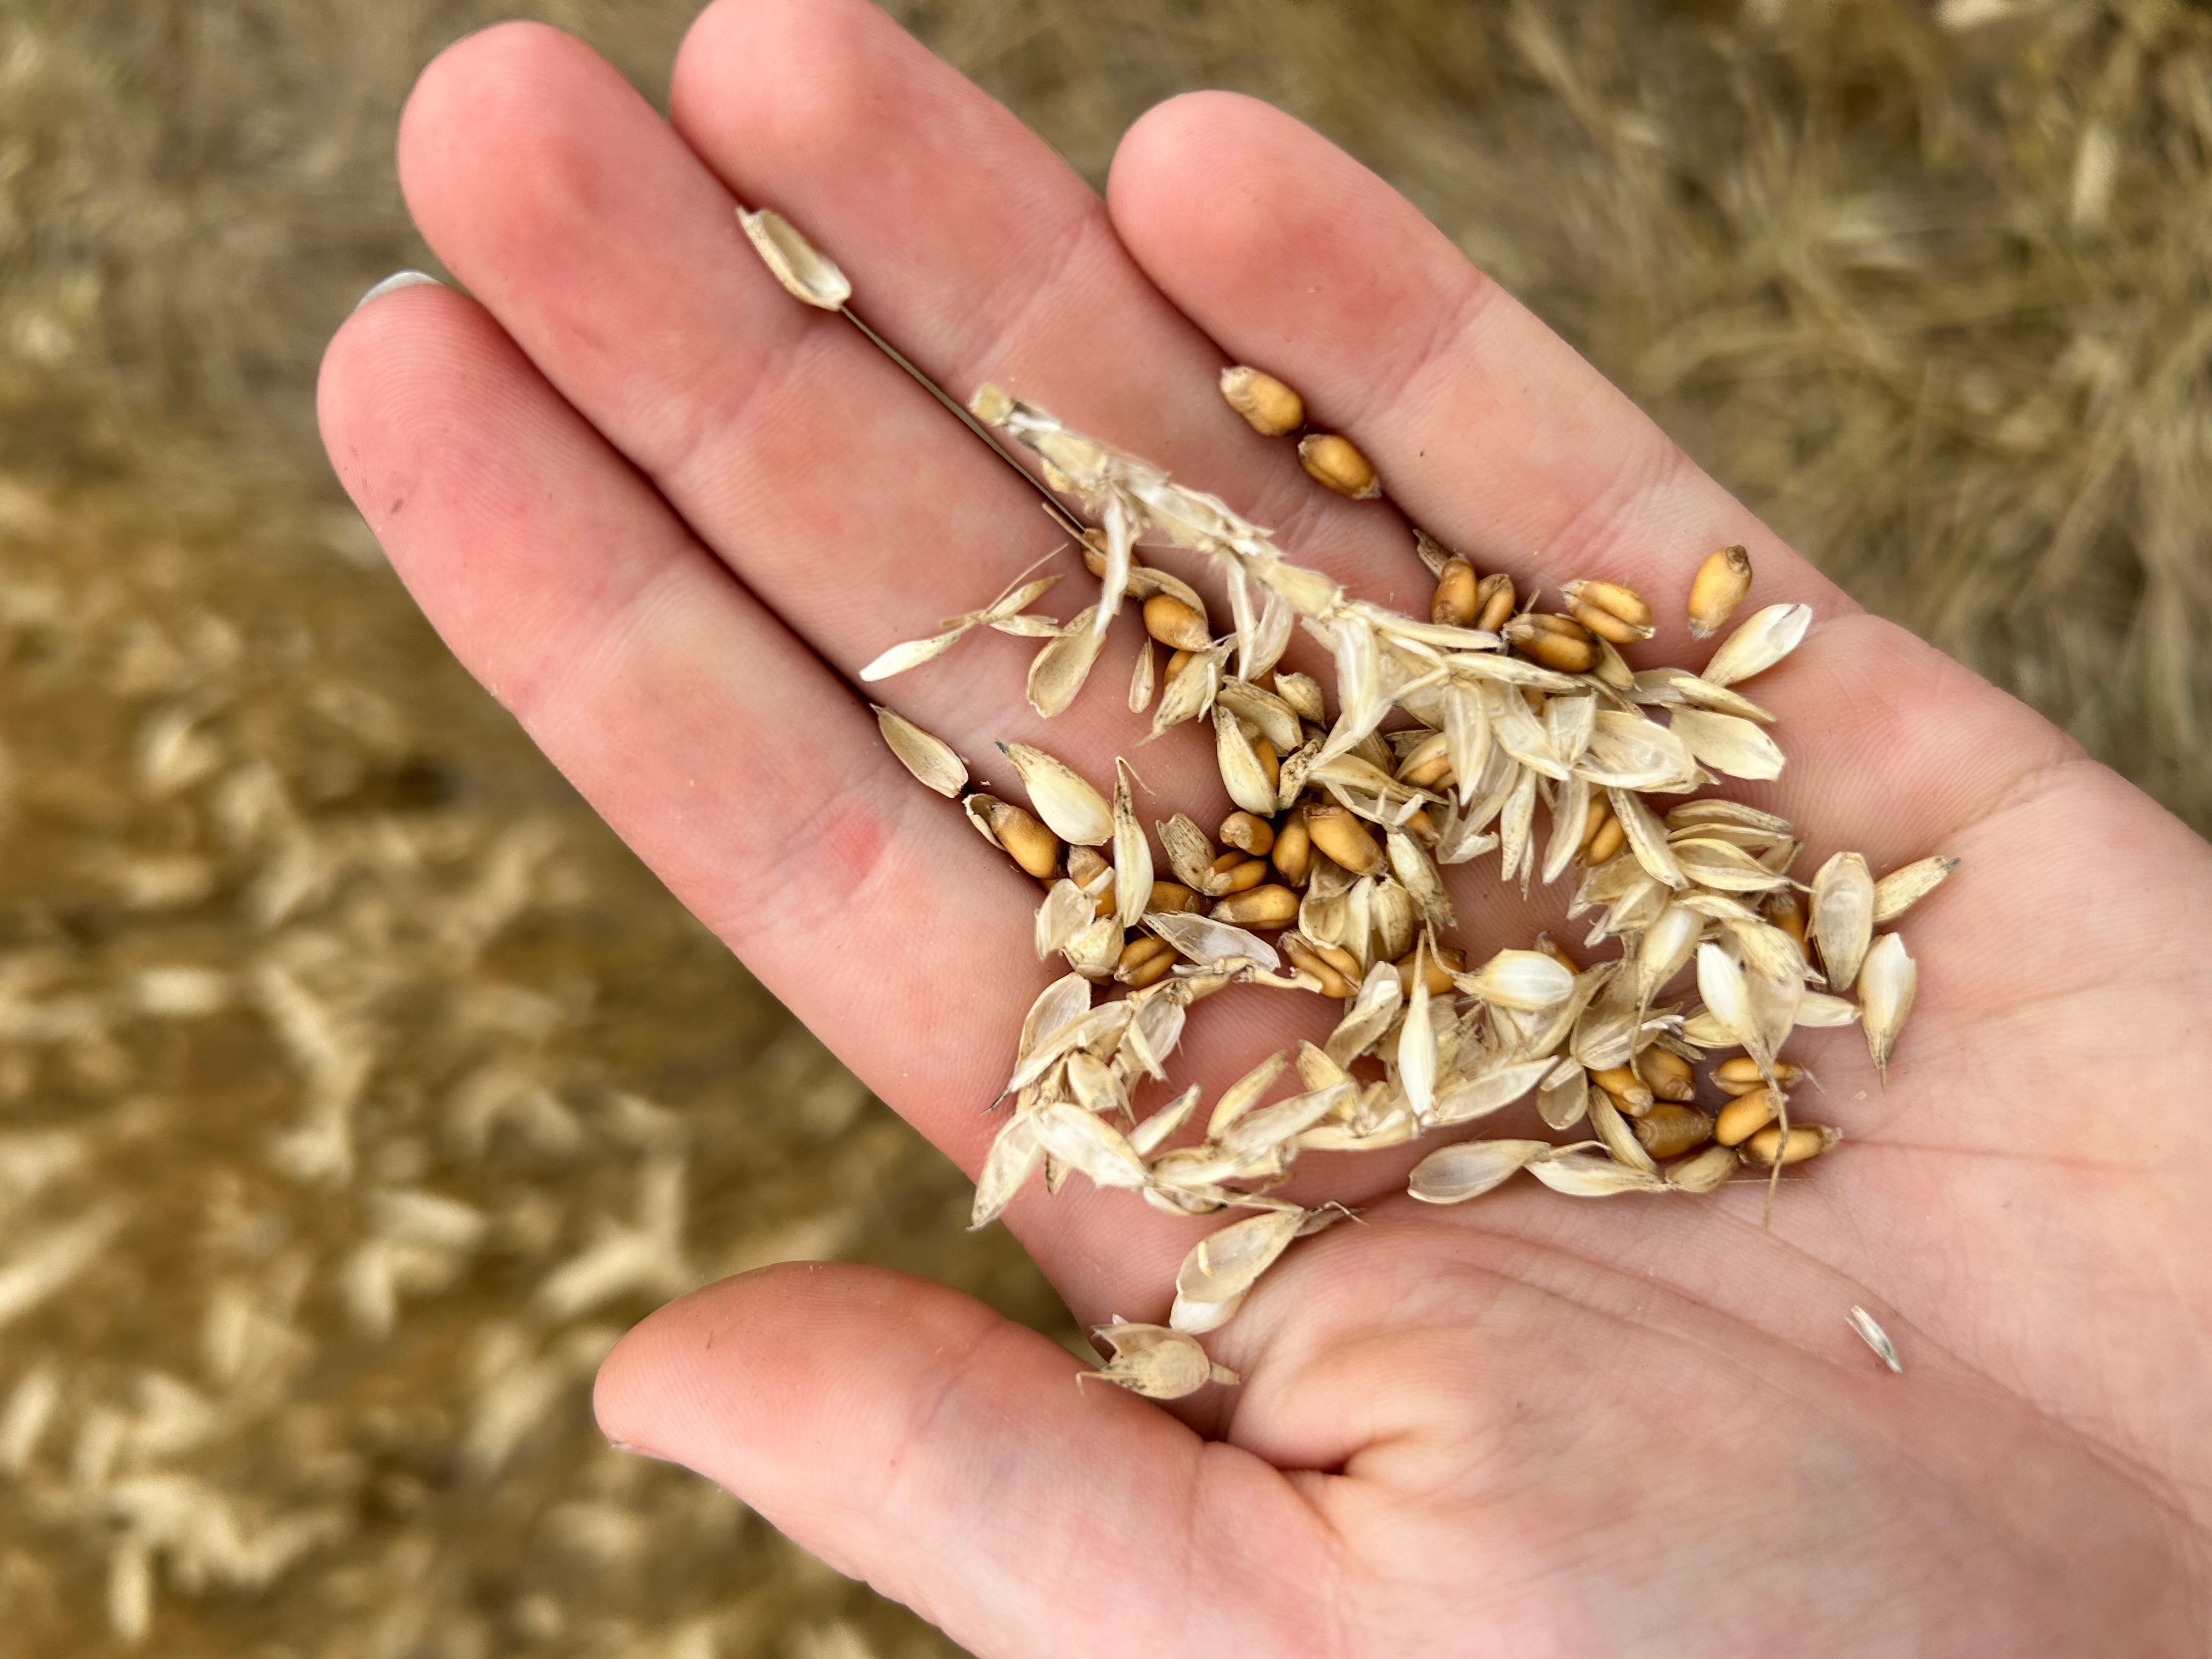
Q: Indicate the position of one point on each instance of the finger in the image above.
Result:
(722, 749)
(1493, 433)
(1489, 429)
(850, 502)
(912, 1437)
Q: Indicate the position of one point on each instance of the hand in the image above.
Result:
(664, 512)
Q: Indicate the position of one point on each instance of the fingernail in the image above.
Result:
(398, 279)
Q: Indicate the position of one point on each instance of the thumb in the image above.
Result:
(910, 1436)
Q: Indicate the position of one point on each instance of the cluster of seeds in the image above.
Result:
(1449, 735)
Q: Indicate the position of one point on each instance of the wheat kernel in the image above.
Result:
(1270, 906)
(1667, 1131)
(1271, 408)
(1143, 961)
(1594, 819)
(1344, 838)
(1455, 603)
(1767, 1148)
(1625, 1087)
(1248, 831)
(1741, 1075)
(1438, 964)
(1434, 773)
(1336, 461)
(1745, 1115)
(1173, 897)
(1718, 587)
(1609, 610)
(1667, 1074)
(1343, 960)
(1427, 764)
(1028, 842)
(1293, 850)
(1270, 764)
(1623, 604)
(1241, 872)
(1605, 840)
(1606, 626)
(1175, 625)
(1532, 623)
(1559, 642)
(1307, 960)
(1495, 599)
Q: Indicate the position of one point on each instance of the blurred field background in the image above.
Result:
(356, 1088)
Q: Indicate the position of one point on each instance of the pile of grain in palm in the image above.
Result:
(1447, 735)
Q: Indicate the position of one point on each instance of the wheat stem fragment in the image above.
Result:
(809, 275)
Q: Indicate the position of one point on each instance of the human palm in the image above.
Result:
(665, 514)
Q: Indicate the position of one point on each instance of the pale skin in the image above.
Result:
(664, 512)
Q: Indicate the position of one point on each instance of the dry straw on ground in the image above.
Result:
(1924, 285)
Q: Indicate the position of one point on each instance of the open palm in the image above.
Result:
(665, 514)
